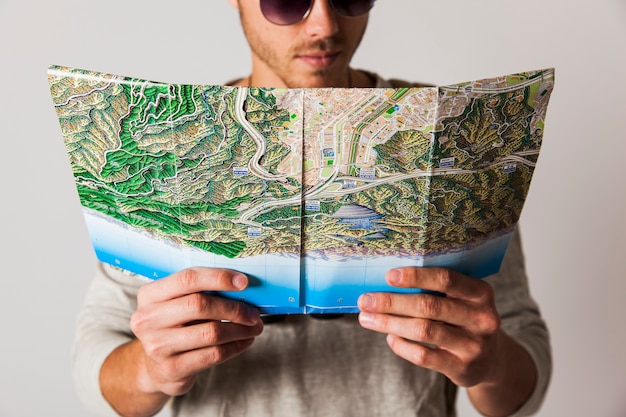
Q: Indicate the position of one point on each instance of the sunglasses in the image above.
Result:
(288, 12)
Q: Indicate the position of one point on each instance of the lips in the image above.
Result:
(319, 60)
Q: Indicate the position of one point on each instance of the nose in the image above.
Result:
(322, 20)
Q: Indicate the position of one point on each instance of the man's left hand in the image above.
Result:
(456, 334)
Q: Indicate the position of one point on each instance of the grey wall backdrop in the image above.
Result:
(573, 224)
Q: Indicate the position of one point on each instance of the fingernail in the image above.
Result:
(366, 301)
(366, 318)
(240, 281)
(394, 276)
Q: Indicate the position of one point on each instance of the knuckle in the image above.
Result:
(209, 333)
(413, 352)
(197, 302)
(422, 330)
(431, 305)
(444, 279)
(473, 349)
(494, 323)
(489, 322)
(239, 310)
(215, 355)
(154, 349)
(187, 279)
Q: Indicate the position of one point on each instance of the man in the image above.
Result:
(403, 355)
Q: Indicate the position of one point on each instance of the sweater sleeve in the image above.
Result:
(521, 319)
(102, 325)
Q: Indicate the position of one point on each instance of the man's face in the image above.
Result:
(314, 52)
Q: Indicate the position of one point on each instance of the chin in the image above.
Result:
(316, 81)
(305, 77)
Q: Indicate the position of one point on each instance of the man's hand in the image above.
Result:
(457, 334)
(180, 332)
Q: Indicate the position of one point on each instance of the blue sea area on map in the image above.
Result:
(331, 286)
(336, 286)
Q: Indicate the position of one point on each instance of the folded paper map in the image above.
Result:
(313, 193)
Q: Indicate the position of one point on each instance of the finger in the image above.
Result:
(430, 358)
(185, 365)
(425, 306)
(442, 280)
(432, 333)
(200, 359)
(199, 336)
(192, 308)
(192, 280)
(199, 306)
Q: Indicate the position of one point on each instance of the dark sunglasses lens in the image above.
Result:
(285, 12)
(352, 8)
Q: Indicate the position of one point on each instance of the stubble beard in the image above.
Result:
(285, 66)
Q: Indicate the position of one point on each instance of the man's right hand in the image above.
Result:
(180, 332)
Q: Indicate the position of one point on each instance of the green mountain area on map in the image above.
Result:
(334, 172)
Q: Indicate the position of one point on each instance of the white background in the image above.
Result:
(573, 224)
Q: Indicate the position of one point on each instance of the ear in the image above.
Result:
(234, 3)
